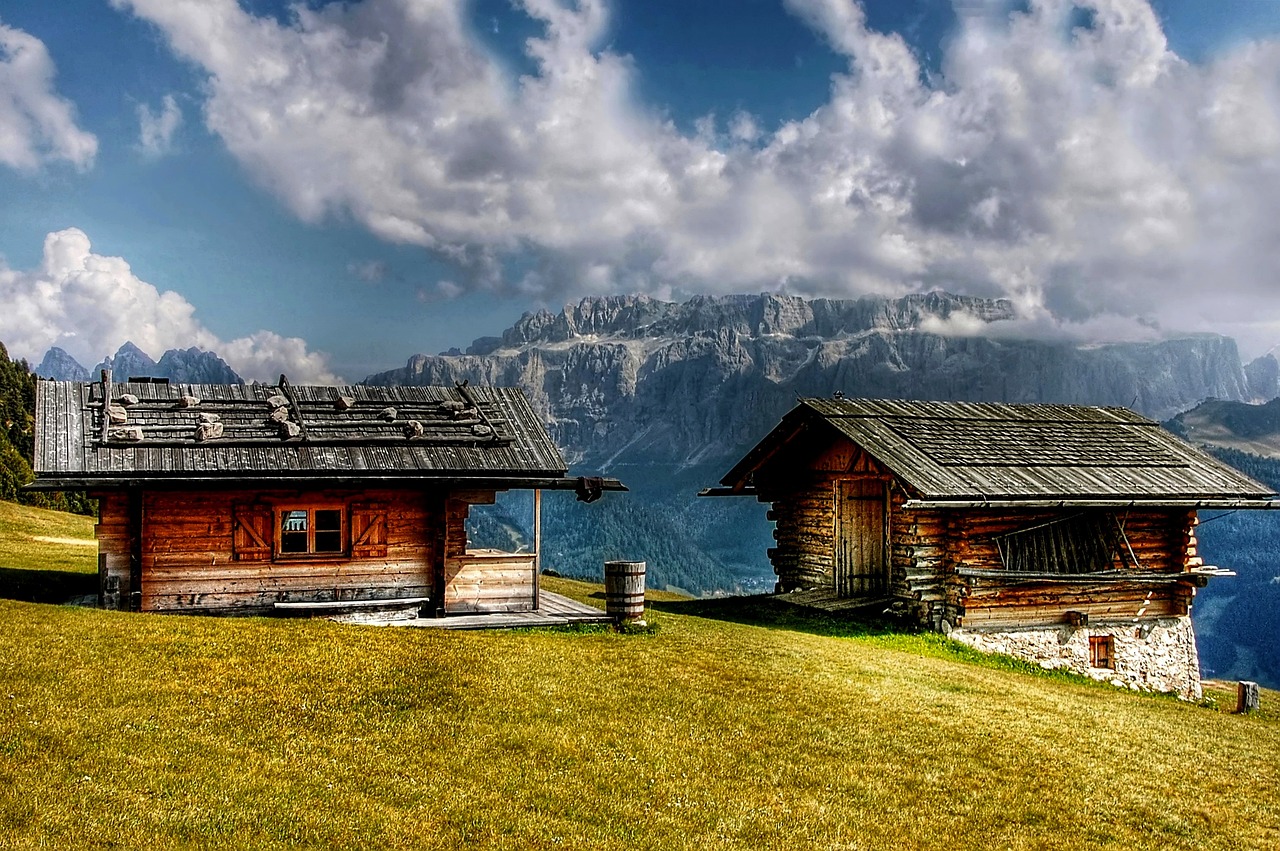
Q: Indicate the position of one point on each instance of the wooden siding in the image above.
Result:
(188, 558)
(1157, 539)
(992, 603)
(804, 517)
(919, 560)
(481, 581)
(115, 546)
(1155, 543)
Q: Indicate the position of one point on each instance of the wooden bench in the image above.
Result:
(355, 611)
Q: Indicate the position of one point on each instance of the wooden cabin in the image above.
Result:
(253, 499)
(1061, 534)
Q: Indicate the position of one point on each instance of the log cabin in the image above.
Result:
(258, 499)
(1060, 534)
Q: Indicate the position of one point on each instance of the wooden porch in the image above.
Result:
(553, 610)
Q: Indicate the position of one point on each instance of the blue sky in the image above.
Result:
(326, 189)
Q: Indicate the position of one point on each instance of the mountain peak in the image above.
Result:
(61, 366)
(189, 366)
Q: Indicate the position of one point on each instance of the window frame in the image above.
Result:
(344, 530)
(1102, 652)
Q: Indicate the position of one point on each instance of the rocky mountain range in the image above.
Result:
(634, 381)
(188, 366)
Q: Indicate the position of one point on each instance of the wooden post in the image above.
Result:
(106, 403)
(1247, 697)
(287, 390)
(537, 546)
(624, 591)
(135, 519)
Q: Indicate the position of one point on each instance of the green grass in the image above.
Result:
(45, 556)
(734, 724)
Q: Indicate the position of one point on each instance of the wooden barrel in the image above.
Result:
(624, 590)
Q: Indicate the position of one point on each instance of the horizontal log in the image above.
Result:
(1123, 597)
(160, 571)
(495, 578)
(265, 599)
(1049, 616)
(305, 587)
(489, 594)
(463, 607)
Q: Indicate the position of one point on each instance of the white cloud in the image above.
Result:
(90, 304)
(37, 125)
(1089, 174)
(370, 271)
(155, 130)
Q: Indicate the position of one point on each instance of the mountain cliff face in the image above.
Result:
(60, 366)
(195, 366)
(1263, 375)
(635, 381)
(187, 366)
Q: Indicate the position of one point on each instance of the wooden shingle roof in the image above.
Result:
(347, 433)
(966, 454)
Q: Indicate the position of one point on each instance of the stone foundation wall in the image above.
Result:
(1152, 655)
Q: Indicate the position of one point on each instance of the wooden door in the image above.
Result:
(860, 562)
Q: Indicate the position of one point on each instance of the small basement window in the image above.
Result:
(311, 531)
(1102, 651)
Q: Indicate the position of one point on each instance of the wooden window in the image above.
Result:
(251, 539)
(1088, 542)
(368, 530)
(310, 531)
(1102, 651)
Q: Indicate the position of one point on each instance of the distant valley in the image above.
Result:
(1232, 425)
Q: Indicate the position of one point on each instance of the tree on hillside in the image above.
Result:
(17, 439)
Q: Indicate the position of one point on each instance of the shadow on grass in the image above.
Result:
(45, 586)
(766, 611)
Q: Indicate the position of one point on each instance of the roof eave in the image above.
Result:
(1195, 502)
(539, 480)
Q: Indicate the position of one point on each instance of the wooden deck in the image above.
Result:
(554, 610)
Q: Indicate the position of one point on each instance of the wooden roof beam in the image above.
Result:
(293, 404)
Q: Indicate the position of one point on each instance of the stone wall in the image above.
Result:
(1151, 655)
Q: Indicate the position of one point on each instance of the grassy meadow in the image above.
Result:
(731, 724)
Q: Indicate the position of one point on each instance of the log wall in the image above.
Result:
(804, 526)
(188, 557)
(920, 560)
(115, 547)
(1159, 542)
(801, 483)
